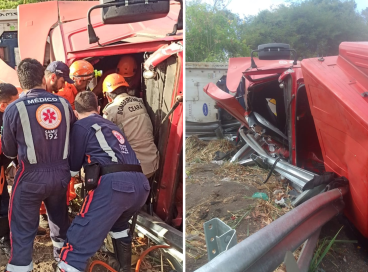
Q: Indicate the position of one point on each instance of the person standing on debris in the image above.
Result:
(130, 115)
(8, 94)
(82, 73)
(117, 188)
(36, 129)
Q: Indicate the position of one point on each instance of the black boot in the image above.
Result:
(4, 226)
(123, 253)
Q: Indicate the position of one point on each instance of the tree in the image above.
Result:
(212, 32)
(311, 27)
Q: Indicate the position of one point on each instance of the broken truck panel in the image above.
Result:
(227, 102)
(336, 89)
(35, 25)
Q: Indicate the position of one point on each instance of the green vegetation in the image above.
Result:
(311, 27)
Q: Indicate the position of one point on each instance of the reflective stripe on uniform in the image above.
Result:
(74, 173)
(120, 234)
(67, 267)
(26, 126)
(103, 144)
(16, 268)
(67, 119)
(57, 244)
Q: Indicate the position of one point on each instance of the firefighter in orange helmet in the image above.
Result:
(128, 68)
(127, 112)
(81, 72)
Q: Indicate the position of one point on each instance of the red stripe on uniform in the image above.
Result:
(90, 197)
(11, 208)
(63, 252)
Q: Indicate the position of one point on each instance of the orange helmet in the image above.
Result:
(81, 69)
(112, 82)
(127, 66)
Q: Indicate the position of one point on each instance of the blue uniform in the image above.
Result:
(117, 197)
(36, 129)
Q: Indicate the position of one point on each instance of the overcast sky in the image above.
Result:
(252, 7)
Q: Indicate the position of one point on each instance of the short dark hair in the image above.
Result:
(7, 91)
(86, 101)
(30, 73)
(120, 90)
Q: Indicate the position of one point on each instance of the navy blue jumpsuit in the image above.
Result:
(108, 208)
(36, 129)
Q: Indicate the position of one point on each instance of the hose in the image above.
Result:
(97, 262)
(145, 253)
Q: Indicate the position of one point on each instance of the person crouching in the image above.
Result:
(117, 187)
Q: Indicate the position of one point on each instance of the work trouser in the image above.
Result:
(4, 204)
(107, 208)
(4, 201)
(32, 185)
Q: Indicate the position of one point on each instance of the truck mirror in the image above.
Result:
(132, 11)
(128, 11)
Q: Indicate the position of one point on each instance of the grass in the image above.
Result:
(323, 248)
(199, 151)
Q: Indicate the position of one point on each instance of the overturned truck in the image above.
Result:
(315, 136)
(101, 32)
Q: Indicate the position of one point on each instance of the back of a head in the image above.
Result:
(7, 92)
(30, 73)
(86, 101)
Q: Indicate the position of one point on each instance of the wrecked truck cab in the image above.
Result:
(58, 30)
(322, 113)
(336, 88)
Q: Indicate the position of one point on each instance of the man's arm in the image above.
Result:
(78, 144)
(8, 138)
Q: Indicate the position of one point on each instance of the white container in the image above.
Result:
(200, 108)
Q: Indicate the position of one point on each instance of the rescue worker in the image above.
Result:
(36, 129)
(56, 74)
(8, 94)
(81, 72)
(128, 68)
(130, 115)
(111, 167)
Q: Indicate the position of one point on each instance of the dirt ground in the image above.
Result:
(43, 260)
(225, 191)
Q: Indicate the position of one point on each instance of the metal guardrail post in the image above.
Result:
(266, 249)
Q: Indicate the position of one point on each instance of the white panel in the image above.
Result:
(199, 106)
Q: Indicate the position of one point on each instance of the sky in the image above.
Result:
(252, 7)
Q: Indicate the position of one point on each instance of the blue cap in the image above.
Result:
(59, 68)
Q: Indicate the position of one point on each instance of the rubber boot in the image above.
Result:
(123, 253)
(4, 226)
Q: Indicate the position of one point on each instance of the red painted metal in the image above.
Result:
(34, 25)
(334, 88)
(338, 97)
(166, 193)
(227, 102)
(9, 75)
